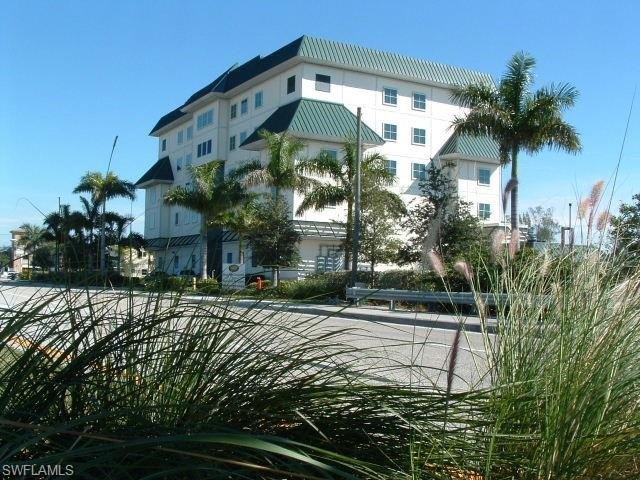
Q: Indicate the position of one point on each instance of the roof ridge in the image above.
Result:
(386, 52)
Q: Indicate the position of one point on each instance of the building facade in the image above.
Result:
(312, 88)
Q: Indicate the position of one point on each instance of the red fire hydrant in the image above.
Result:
(259, 283)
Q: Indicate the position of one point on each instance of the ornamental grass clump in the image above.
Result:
(565, 371)
(136, 386)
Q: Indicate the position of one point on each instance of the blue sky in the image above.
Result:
(76, 74)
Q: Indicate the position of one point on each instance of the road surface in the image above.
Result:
(390, 346)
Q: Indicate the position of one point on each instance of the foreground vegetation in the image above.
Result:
(121, 387)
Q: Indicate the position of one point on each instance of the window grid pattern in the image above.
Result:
(391, 166)
(204, 119)
(257, 103)
(244, 106)
(390, 96)
(389, 131)
(419, 101)
(204, 148)
(484, 211)
(232, 142)
(419, 136)
(484, 176)
(418, 171)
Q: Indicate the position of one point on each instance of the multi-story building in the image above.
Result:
(312, 89)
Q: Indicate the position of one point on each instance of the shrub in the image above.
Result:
(210, 286)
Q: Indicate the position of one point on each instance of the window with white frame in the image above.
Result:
(323, 83)
(484, 176)
(190, 132)
(419, 136)
(390, 96)
(179, 164)
(176, 219)
(163, 144)
(291, 84)
(187, 159)
(180, 137)
(243, 137)
(389, 131)
(419, 101)
(204, 119)
(244, 106)
(391, 166)
(232, 142)
(153, 195)
(204, 148)
(418, 171)
(257, 99)
(229, 257)
(234, 111)
(484, 211)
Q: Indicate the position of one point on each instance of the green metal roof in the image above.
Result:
(318, 50)
(315, 119)
(470, 146)
(385, 62)
(160, 171)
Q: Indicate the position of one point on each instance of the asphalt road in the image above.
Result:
(395, 346)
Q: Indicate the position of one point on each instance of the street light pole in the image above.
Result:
(356, 222)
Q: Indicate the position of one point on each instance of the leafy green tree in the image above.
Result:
(211, 195)
(381, 214)
(625, 229)
(543, 226)
(5, 257)
(341, 186)
(273, 237)
(441, 223)
(517, 118)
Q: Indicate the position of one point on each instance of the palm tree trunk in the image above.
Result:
(514, 192)
(203, 247)
(348, 239)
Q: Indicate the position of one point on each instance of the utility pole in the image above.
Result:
(58, 233)
(102, 224)
(356, 222)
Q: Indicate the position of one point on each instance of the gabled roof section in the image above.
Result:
(463, 145)
(160, 172)
(339, 54)
(315, 119)
(167, 119)
(385, 62)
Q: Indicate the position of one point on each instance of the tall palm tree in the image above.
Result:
(103, 188)
(280, 172)
(517, 118)
(211, 195)
(342, 185)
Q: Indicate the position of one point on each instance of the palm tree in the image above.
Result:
(518, 119)
(280, 172)
(211, 195)
(103, 188)
(116, 226)
(341, 188)
(33, 238)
